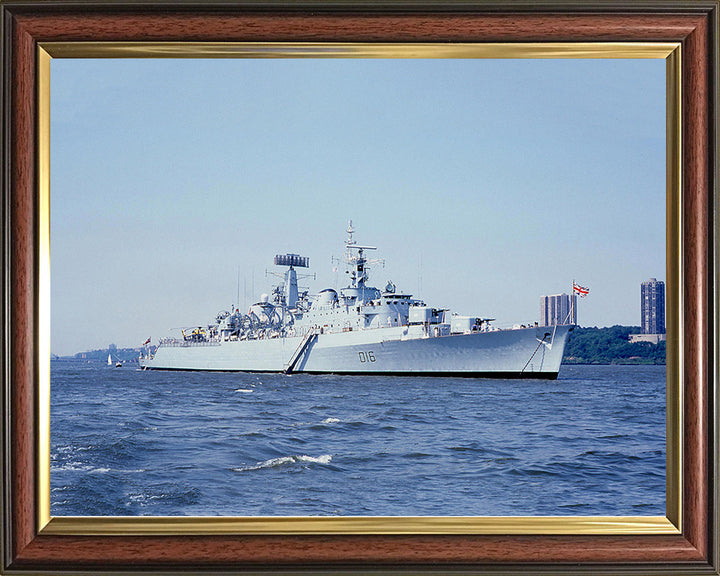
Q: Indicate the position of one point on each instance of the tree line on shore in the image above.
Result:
(611, 346)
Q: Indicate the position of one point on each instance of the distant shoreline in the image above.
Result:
(610, 346)
(619, 362)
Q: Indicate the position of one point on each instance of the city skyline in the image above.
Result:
(484, 184)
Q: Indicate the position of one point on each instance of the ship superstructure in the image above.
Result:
(358, 330)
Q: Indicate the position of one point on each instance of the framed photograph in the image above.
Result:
(106, 119)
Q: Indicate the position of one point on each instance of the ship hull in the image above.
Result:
(405, 350)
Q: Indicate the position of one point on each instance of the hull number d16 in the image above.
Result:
(366, 357)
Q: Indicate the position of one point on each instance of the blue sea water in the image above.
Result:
(128, 442)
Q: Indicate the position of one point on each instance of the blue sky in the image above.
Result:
(484, 184)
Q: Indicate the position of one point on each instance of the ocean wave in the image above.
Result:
(169, 494)
(324, 459)
(331, 421)
(244, 390)
(416, 455)
(533, 472)
(609, 457)
(476, 448)
(285, 460)
(69, 449)
(81, 467)
(78, 467)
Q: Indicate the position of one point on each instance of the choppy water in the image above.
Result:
(131, 442)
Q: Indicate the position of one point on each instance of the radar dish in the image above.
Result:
(292, 260)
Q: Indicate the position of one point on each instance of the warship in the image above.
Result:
(359, 329)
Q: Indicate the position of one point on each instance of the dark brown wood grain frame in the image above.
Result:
(27, 24)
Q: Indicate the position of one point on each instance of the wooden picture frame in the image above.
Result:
(31, 544)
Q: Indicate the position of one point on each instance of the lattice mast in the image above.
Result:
(357, 262)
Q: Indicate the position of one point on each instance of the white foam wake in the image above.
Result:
(283, 460)
(324, 459)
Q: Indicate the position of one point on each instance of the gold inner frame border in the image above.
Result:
(425, 525)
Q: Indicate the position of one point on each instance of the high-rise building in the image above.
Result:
(652, 307)
(558, 309)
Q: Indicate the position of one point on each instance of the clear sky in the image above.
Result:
(484, 184)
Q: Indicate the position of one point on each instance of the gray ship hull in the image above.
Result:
(404, 350)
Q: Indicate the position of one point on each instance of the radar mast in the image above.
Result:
(357, 262)
(291, 286)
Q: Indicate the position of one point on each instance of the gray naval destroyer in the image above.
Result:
(359, 330)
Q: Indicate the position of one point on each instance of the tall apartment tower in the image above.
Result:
(558, 309)
(652, 307)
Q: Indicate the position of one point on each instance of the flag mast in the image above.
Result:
(577, 290)
(572, 303)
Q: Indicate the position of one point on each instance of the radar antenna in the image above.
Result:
(289, 290)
